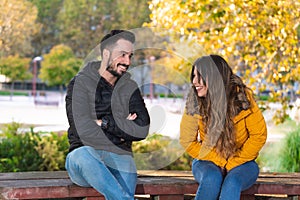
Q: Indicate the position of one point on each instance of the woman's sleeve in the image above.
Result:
(189, 134)
(189, 140)
(257, 130)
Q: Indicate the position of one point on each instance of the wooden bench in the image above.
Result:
(162, 185)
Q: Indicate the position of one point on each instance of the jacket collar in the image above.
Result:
(243, 114)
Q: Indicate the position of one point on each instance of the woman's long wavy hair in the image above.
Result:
(226, 97)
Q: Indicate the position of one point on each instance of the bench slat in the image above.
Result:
(141, 173)
(30, 185)
(35, 183)
(34, 175)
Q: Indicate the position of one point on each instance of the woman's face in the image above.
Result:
(199, 85)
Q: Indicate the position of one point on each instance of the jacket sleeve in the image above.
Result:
(126, 98)
(189, 131)
(129, 130)
(81, 113)
(189, 134)
(257, 135)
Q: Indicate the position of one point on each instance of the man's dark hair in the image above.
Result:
(113, 36)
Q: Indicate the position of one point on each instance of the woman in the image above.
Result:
(223, 129)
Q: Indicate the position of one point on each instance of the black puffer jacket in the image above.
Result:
(90, 97)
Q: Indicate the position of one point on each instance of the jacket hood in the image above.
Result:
(91, 70)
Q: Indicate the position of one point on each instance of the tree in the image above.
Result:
(129, 14)
(157, 62)
(83, 23)
(15, 68)
(59, 66)
(47, 35)
(177, 61)
(17, 27)
(259, 37)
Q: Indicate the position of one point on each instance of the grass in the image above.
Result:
(268, 157)
(14, 93)
(270, 154)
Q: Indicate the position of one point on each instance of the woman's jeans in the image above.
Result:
(111, 174)
(213, 185)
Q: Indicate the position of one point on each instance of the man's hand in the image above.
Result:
(132, 116)
(129, 117)
(99, 122)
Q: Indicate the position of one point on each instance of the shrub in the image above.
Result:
(44, 151)
(31, 151)
(17, 151)
(290, 155)
(52, 149)
(160, 152)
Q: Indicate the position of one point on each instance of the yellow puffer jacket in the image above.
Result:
(251, 135)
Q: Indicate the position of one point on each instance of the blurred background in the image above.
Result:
(43, 44)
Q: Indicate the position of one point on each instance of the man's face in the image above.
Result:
(120, 58)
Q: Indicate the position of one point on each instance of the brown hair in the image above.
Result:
(226, 94)
(113, 36)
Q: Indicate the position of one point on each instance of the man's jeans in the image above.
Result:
(111, 174)
(213, 186)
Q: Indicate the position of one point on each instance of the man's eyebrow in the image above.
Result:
(126, 52)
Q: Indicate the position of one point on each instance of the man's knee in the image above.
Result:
(81, 155)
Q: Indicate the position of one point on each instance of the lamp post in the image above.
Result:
(152, 59)
(35, 60)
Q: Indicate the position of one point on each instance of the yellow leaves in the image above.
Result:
(17, 26)
(246, 23)
(15, 67)
(48, 149)
(247, 72)
(167, 70)
(260, 33)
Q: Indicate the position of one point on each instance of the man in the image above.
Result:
(106, 112)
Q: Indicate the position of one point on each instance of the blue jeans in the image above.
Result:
(213, 185)
(110, 174)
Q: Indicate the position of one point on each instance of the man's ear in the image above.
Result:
(106, 53)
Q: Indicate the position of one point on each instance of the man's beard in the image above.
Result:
(112, 71)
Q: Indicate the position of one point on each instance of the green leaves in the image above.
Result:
(29, 151)
(59, 66)
(290, 155)
(17, 151)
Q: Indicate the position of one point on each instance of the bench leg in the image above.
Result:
(247, 197)
(168, 197)
(295, 197)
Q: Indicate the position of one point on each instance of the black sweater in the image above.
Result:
(90, 97)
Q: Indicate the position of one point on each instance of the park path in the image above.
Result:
(165, 115)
